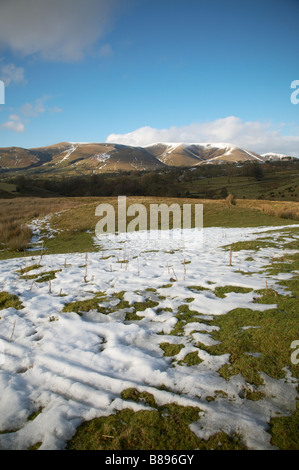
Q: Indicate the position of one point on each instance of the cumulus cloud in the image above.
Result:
(13, 124)
(260, 137)
(10, 73)
(58, 30)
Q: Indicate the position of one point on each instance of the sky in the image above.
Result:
(143, 71)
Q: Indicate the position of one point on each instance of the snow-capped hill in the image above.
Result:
(190, 154)
(78, 158)
(276, 156)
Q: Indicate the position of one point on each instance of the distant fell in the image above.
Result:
(80, 158)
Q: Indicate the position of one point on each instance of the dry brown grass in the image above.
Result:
(16, 213)
(283, 212)
(231, 199)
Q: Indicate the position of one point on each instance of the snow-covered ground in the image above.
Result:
(74, 368)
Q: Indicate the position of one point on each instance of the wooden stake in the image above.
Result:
(230, 256)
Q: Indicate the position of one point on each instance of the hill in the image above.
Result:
(78, 158)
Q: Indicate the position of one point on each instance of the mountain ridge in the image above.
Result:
(79, 158)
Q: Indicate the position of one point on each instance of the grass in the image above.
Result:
(284, 431)
(42, 277)
(83, 306)
(75, 220)
(254, 339)
(163, 427)
(222, 291)
(191, 359)
(29, 268)
(184, 316)
(171, 349)
(253, 245)
(9, 301)
(141, 306)
(17, 213)
(254, 342)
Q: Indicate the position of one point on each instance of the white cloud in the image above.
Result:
(257, 136)
(34, 109)
(13, 124)
(10, 73)
(58, 30)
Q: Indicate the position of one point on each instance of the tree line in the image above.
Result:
(174, 182)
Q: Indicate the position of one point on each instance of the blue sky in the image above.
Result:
(141, 71)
